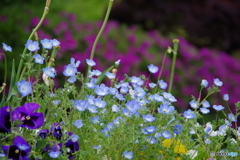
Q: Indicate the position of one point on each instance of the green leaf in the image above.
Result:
(102, 76)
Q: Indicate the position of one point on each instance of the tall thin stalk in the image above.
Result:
(98, 36)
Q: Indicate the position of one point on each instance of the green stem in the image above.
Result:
(175, 49)
(98, 36)
(46, 9)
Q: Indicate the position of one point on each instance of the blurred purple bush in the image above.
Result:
(137, 49)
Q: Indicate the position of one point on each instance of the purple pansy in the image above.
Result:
(19, 150)
(72, 145)
(27, 116)
(56, 130)
(5, 125)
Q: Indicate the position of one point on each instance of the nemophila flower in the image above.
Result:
(101, 90)
(38, 58)
(55, 42)
(94, 73)
(120, 97)
(207, 141)
(90, 62)
(56, 102)
(46, 43)
(123, 90)
(54, 154)
(152, 85)
(222, 130)
(110, 75)
(126, 112)
(152, 68)
(149, 130)
(162, 84)
(97, 147)
(205, 104)
(194, 104)
(118, 120)
(133, 106)
(192, 131)
(91, 84)
(169, 97)
(20, 149)
(27, 116)
(72, 79)
(78, 124)
(128, 155)
(117, 62)
(204, 83)
(232, 117)
(115, 108)
(225, 97)
(151, 140)
(165, 109)
(217, 82)
(80, 105)
(166, 134)
(6, 47)
(56, 130)
(208, 129)
(24, 87)
(148, 118)
(204, 110)
(5, 119)
(99, 103)
(32, 45)
(135, 79)
(189, 114)
(50, 72)
(95, 119)
(218, 107)
(69, 70)
(75, 64)
(177, 129)
(158, 135)
(92, 109)
(43, 133)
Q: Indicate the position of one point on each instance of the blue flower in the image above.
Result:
(72, 61)
(70, 70)
(32, 45)
(74, 138)
(101, 90)
(225, 97)
(133, 106)
(99, 103)
(90, 62)
(123, 90)
(95, 73)
(217, 82)
(6, 47)
(189, 114)
(151, 140)
(218, 107)
(149, 130)
(46, 43)
(95, 119)
(232, 117)
(169, 97)
(194, 104)
(54, 154)
(148, 118)
(92, 109)
(152, 68)
(205, 104)
(128, 155)
(72, 79)
(166, 134)
(204, 83)
(152, 85)
(38, 58)
(55, 42)
(91, 84)
(204, 110)
(165, 109)
(80, 105)
(115, 108)
(110, 75)
(162, 84)
(177, 129)
(78, 123)
(49, 71)
(24, 87)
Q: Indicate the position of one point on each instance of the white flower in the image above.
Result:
(192, 153)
